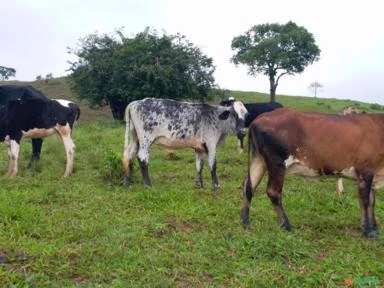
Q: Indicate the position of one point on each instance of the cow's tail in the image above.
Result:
(78, 113)
(252, 150)
(253, 145)
(127, 119)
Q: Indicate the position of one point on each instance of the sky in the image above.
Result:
(35, 36)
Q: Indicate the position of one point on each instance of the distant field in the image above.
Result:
(59, 88)
(89, 231)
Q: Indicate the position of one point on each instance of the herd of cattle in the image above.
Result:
(280, 141)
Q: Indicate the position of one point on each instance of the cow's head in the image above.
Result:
(239, 111)
(228, 102)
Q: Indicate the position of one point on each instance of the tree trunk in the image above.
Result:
(272, 88)
(118, 108)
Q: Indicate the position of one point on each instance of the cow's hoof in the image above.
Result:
(371, 234)
(199, 184)
(127, 182)
(216, 186)
(246, 224)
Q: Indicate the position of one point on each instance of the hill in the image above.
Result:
(59, 88)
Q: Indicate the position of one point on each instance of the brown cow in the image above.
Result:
(313, 144)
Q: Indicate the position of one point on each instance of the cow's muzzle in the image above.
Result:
(241, 133)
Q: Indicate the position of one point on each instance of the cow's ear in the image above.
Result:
(224, 115)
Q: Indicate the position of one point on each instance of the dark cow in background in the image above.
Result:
(254, 110)
(176, 125)
(15, 92)
(37, 118)
(314, 144)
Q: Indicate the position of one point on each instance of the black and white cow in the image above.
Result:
(37, 118)
(254, 110)
(16, 92)
(176, 125)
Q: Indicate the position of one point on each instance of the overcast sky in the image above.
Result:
(35, 35)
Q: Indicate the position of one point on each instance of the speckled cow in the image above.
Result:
(176, 125)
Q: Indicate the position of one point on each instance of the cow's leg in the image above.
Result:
(274, 191)
(36, 149)
(339, 186)
(255, 174)
(367, 204)
(65, 134)
(143, 157)
(130, 152)
(371, 209)
(13, 155)
(212, 166)
(199, 168)
(240, 145)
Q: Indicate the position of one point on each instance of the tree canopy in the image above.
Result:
(115, 70)
(275, 50)
(6, 72)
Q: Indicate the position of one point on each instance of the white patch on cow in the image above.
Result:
(240, 109)
(347, 173)
(7, 140)
(63, 102)
(295, 166)
(38, 133)
(257, 170)
(378, 179)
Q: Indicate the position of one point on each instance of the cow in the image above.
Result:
(313, 144)
(174, 125)
(254, 110)
(15, 92)
(37, 118)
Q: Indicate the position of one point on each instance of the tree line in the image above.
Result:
(113, 69)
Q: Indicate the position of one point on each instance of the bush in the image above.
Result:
(375, 107)
(112, 168)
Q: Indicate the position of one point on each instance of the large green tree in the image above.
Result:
(6, 72)
(115, 70)
(275, 50)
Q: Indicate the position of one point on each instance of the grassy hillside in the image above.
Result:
(59, 88)
(89, 231)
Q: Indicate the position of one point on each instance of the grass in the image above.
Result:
(89, 231)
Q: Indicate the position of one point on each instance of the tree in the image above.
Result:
(115, 70)
(6, 72)
(275, 50)
(48, 77)
(315, 86)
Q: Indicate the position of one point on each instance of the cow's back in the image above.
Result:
(256, 109)
(171, 118)
(324, 142)
(15, 92)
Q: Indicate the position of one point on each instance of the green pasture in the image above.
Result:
(89, 231)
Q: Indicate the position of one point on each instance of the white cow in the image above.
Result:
(176, 125)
